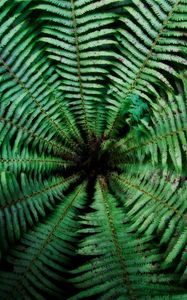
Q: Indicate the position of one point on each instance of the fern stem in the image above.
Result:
(115, 241)
(7, 162)
(30, 160)
(79, 67)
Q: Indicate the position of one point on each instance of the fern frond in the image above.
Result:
(146, 56)
(17, 161)
(75, 49)
(25, 82)
(114, 247)
(47, 250)
(24, 201)
(166, 134)
(24, 135)
(156, 205)
(93, 144)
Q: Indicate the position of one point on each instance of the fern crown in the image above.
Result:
(93, 144)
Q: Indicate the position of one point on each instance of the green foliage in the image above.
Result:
(122, 259)
(136, 108)
(93, 143)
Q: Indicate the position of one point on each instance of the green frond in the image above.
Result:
(165, 134)
(156, 204)
(23, 201)
(68, 35)
(27, 83)
(114, 247)
(48, 248)
(24, 135)
(146, 57)
(17, 161)
(93, 144)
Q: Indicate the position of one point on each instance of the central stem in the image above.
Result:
(78, 66)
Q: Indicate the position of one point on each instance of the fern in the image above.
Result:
(93, 114)
(122, 260)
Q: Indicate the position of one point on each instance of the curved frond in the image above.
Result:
(47, 250)
(114, 247)
(156, 204)
(165, 134)
(23, 203)
(76, 34)
(151, 40)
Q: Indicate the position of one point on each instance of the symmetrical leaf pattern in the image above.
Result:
(93, 144)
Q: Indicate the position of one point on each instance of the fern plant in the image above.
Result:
(93, 143)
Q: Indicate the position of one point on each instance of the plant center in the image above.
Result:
(94, 160)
